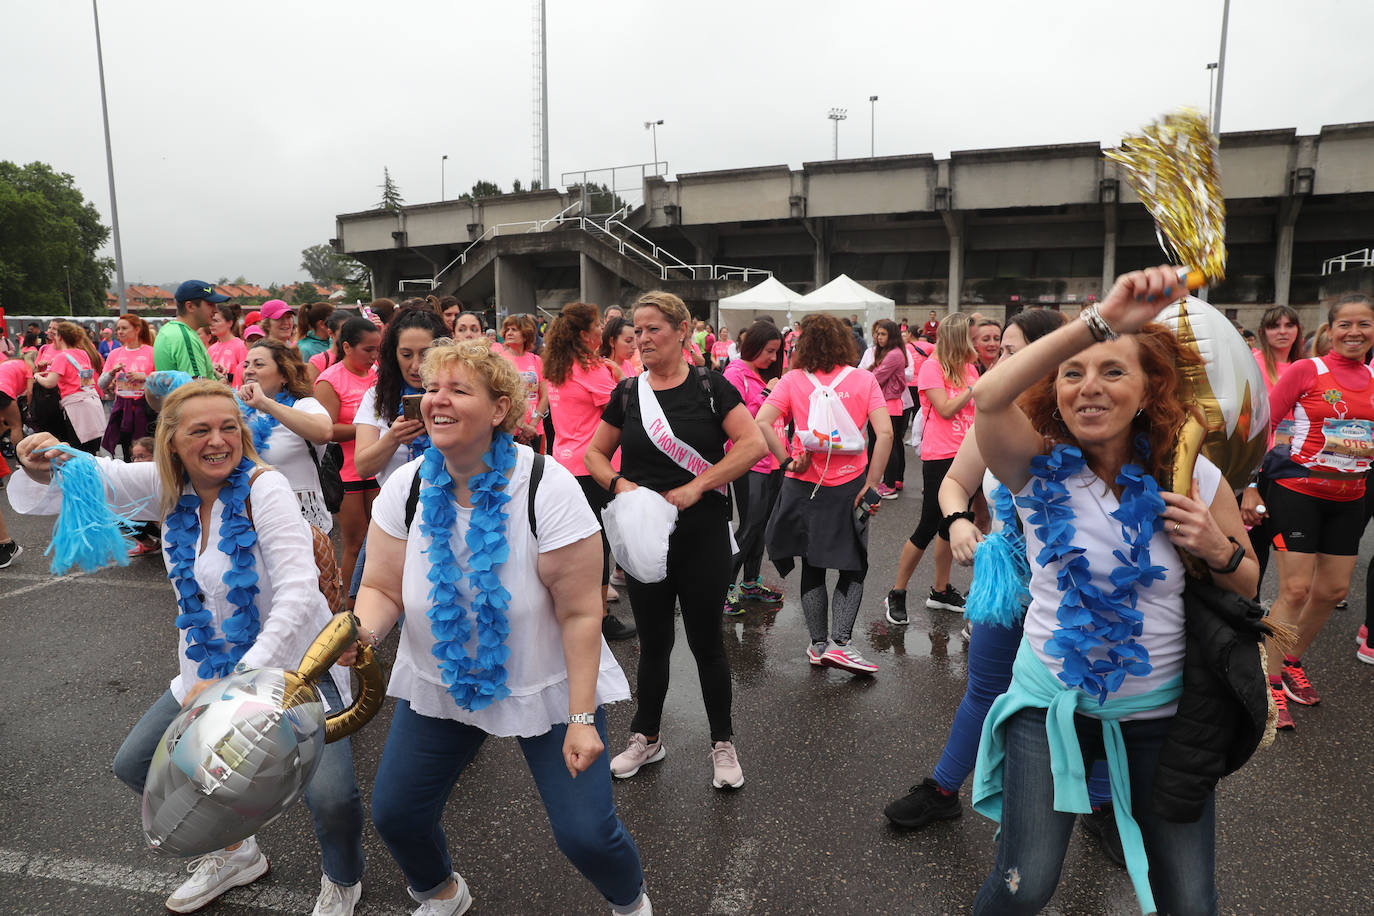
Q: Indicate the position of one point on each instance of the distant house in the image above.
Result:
(150, 297)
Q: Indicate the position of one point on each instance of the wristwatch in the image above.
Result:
(1234, 563)
(582, 718)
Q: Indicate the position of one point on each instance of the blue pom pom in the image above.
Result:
(88, 535)
(998, 596)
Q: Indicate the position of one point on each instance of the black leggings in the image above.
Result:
(598, 499)
(755, 495)
(698, 575)
(895, 469)
(933, 473)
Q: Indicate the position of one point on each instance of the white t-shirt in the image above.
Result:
(536, 672)
(1099, 534)
(291, 609)
(367, 415)
(287, 452)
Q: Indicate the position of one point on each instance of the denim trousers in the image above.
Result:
(332, 795)
(1034, 837)
(423, 759)
(991, 653)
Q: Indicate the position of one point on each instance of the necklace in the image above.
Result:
(474, 682)
(262, 423)
(1091, 618)
(216, 656)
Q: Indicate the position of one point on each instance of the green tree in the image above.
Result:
(325, 265)
(599, 198)
(49, 236)
(482, 188)
(303, 294)
(391, 195)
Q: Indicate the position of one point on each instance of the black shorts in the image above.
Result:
(5, 400)
(1310, 524)
(361, 486)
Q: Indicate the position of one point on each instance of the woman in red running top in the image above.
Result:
(1317, 501)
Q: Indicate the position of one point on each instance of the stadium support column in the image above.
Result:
(515, 286)
(817, 229)
(1108, 245)
(954, 225)
(599, 285)
(1283, 248)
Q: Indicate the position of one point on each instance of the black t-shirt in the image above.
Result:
(688, 410)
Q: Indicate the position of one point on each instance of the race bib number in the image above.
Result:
(1349, 446)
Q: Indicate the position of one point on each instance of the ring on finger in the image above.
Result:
(1177, 527)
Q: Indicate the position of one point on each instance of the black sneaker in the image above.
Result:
(9, 552)
(923, 804)
(613, 628)
(947, 600)
(1102, 824)
(894, 606)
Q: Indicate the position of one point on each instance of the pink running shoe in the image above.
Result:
(1298, 687)
(1362, 637)
(846, 659)
(639, 752)
(1365, 653)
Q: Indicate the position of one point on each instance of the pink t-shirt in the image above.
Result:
(860, 395)
(942, 437)
(576, 407)
(136, 360)
(751, 386)
(720, 350)
(531, 369)
(14, 377)
(350, 388)
(629, 368)
(69, 380)
(227, 357)
(322, 360)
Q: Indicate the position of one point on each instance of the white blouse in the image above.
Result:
(1099, 534)
(367, 415)
(286, 451)
(536, 671)
(291, 609)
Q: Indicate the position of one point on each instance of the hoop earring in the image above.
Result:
(1055, 413)
(1139, 411)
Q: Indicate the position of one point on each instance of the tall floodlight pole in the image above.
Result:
(652, 126)
(872, 125)
(109, 164)
(541, 95)
(837, 115)
(1221, 69)
(443, 167)
(1211, 92)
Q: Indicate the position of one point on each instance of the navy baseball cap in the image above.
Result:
(195, 289)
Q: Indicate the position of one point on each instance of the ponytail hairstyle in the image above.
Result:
(353, 330)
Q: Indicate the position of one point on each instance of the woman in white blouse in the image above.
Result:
(503, 633)
(287, 424)
(203, 473)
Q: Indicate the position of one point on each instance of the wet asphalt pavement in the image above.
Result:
(822, 752)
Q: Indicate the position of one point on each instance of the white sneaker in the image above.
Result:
(725, 762)
(637, 753)
(612, 596)
(617, 576)
(217, 872)
(454, 906)
(642, 908)
(335, 899)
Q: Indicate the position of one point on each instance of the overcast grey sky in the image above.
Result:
(240, 129)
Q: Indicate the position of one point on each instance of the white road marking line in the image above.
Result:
(156, 882)
(735, 893)
(41, 581)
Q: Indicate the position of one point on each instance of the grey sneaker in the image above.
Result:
(725, 761)
(217, 872)
(637, 753)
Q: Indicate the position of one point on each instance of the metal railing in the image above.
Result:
(1362, 258)
(623, 182)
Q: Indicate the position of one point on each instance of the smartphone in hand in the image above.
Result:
(864, 510)
(410, 406)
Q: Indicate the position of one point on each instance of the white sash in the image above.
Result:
(661, 433)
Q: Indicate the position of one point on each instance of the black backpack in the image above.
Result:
(536, 473)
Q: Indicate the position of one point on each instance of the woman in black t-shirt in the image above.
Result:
(693, 412)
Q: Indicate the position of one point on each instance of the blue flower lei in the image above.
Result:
(420, 442)
(261, 422)
(217, 656)
(1090, 617)
(473, 682)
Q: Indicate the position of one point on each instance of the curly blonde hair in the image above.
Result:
(496, 372)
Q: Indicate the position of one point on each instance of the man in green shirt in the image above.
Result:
(178, 346)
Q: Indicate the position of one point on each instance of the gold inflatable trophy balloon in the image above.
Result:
(244, 750)
(1172, 166)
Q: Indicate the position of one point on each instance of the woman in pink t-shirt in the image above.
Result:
(579, 382)
(73, 364)
(519, 334)
(126, 369)
(946, 383)
(340, 390)
(826, 500)
(720, 350)
(758, 366)
(227, 351)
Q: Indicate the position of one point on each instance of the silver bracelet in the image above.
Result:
(1097, 325)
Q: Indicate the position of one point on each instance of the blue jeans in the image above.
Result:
(1034, 837)
(422, 761)
(332, 795)
(991, 652)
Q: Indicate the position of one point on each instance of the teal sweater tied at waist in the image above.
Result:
(1034, 686)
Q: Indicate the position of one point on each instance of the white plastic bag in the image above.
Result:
(638, 524)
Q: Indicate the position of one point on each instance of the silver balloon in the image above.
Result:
(230, 763)
(244, 750)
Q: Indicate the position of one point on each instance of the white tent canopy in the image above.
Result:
(768, 298)
(842, 297)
